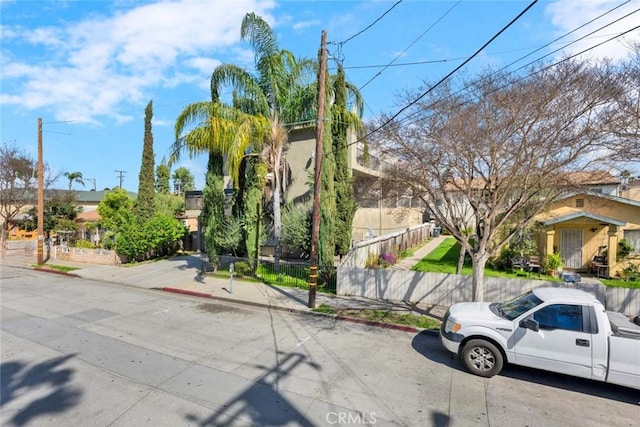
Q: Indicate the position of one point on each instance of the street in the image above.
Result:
(81, 352)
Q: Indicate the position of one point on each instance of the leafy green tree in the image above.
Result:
(296, 227)
(229, 235)
(169, 204)
(144, 204)
(183, 180)
(59, 214)
(164, 234)
(115, 208)
(74, 177)
(163, 173)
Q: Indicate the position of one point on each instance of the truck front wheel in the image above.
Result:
(482, 358)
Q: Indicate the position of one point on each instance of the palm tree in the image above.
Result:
(74, 177)
(264, 107)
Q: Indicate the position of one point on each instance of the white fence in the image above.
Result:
(446, 289)
(392, 243)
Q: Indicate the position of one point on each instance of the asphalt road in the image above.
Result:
(77, 352)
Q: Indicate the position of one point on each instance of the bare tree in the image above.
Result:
(624, 144)
(17, 185)
(489, 158)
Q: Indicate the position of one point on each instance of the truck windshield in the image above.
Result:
(517, 306)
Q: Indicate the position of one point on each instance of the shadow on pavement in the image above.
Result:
(188, 262)
(428, 344)
(575, 384)
(261, 403)
(18, 379)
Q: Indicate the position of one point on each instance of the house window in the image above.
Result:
(579, 203)
(633, 237)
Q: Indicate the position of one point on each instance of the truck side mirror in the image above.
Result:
(530, 324)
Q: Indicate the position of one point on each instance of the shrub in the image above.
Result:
(381, 261)
(630, 272)
(624, 249)
(552, 262)
(83, 243)
(387, 260)
(373, 261)
(241, 268)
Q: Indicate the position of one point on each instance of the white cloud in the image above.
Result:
(97, 68)
(567, 15)
(202, 64)
(305, 24)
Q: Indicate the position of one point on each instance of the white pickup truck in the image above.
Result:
(555, 329)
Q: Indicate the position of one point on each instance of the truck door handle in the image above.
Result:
(582, 343)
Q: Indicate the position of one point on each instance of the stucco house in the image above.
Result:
(375, 215)
(588, 224)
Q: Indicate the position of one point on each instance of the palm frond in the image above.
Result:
(243, 83)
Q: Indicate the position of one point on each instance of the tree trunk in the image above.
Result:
(277, 219)
(479, 262)
(3, 239)
(460, 260)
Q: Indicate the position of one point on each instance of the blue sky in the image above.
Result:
(88, 68)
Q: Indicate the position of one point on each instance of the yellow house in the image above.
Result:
(585, 228)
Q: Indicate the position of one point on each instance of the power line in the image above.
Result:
(452, 72)
(58, 133)
(460, 104)
(370, 25)
(408, 118)
(379, 73)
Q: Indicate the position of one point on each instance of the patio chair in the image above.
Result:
(518, 263)
(533, 263)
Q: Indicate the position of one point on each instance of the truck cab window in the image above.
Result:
(560, 316)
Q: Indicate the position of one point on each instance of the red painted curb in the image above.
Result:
(186, 292)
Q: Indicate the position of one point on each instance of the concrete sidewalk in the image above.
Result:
(182, 275)
(421, 252)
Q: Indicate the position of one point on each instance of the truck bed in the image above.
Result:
(622, 326)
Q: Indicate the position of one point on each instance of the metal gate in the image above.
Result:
(571, 247)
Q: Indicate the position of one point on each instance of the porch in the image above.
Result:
(586, 242)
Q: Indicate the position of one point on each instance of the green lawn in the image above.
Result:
(444, 259)
(617, 283)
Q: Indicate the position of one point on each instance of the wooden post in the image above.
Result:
(317, 185)
(40, 248)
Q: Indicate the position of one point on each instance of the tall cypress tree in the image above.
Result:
(144, 204)
(255, 181)
(346, 205)
(327, 240)
(212, 215)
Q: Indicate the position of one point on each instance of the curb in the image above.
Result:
(54, 271)
(391, 326)
(403, 328)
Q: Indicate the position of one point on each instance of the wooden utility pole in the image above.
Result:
(121, 176)
(40, 248)
(317, 184)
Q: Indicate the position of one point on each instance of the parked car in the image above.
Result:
(555, 329)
